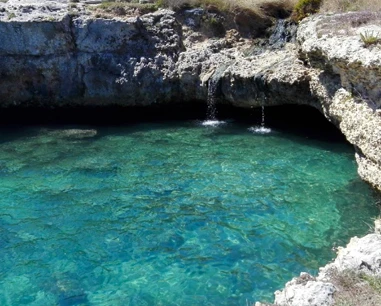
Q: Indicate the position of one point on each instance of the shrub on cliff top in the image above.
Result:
(305, 8)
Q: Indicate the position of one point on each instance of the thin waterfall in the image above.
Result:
(211, 101)
(263, 117)
(211, 112)
(262, 129)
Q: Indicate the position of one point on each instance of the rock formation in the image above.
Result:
(362, 256)
(55, 54)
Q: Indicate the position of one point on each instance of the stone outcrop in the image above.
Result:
(362, 256)
(77, 59)
(346, 77)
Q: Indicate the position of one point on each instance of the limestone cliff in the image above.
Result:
(52, 55)
(346, 77)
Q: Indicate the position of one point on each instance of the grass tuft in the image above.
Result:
(370, 38)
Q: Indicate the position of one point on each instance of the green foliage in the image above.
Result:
(373, 281)
(160, 3)
(11, 16)
(370, 38)
(305, 8)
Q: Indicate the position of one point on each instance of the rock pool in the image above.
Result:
(171, 213)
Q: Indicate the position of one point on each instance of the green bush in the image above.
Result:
(305, 8)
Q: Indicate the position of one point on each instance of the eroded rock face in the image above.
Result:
(68, 59)
(80, 60)
(346, 77)
(334, 43)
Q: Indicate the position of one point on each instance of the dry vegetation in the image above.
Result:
(274, 8)
(230, 5)
(109, 9)
(350, 5)
(262, 5)
(355, 289)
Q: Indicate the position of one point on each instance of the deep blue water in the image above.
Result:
(170, 213)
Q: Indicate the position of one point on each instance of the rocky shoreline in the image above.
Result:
(362, 256)
(55, 55)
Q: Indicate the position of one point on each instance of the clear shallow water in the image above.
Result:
(170, 214)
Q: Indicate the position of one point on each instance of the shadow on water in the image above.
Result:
(293, 121)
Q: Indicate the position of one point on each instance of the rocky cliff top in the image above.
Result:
(33, 10)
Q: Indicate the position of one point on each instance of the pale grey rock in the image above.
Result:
(270, 78)
(71, 133)
(360, 255)
(346, 78)
(33, 10)
(377, 226)
(333, 42)
(90, 61)
(105, 35)
(305, 291)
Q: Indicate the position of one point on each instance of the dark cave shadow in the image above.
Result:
(293, 121)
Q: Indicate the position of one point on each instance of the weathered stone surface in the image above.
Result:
(271, 78)
(21, 38)
(83, 60)
(346, 77)
(33, 10)
(334, 43)
(360, 255)
(305, 291)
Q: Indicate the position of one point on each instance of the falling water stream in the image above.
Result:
(211, 113)
(262, 129)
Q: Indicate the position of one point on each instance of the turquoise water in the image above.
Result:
(170, 213)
